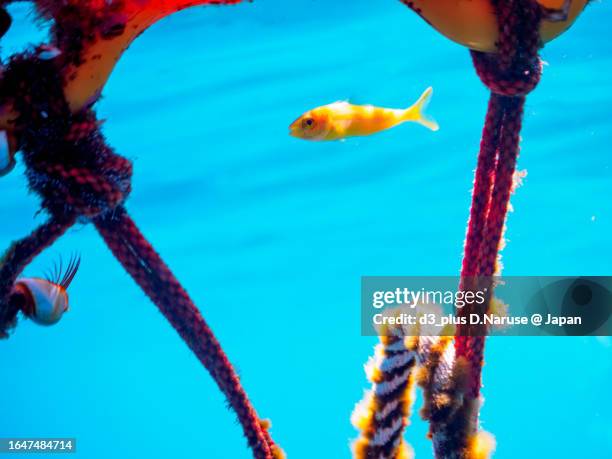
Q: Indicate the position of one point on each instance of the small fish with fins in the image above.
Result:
(341, 119)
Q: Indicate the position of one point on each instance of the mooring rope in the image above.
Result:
(510, 74)
(149, 271)
(80, 178)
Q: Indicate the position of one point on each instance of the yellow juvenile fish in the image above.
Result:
(341, 119)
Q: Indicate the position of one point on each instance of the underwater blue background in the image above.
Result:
(270, 234)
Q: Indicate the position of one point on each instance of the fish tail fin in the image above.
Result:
(417, 113)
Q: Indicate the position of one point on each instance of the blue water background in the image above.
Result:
(270, 234)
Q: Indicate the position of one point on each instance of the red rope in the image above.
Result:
(510, 74)
(149, 271)
(77, 175)
(76, 187)
(504, 172)
(483, 182)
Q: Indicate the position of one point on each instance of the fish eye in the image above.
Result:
(308, 123)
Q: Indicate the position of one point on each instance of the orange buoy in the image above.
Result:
(472, 23)
(116, 29)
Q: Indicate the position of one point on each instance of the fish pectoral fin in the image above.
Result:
(338, 129)
(342, 124)
(417, 113)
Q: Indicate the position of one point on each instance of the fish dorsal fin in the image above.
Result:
(340, 104)
(341, 109)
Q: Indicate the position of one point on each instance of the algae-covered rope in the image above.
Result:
(149, 271)
(510, 74)
(507, 62)
(79, 177)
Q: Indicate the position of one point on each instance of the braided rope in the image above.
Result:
(78, 176)
(500, 194)
(149, 271)
(89, 193)
(510, 75)
(483, 182)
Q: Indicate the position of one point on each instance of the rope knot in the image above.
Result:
(75, 171)
(68, 162)
(516, 68)
(518, 80)
(84, 191)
